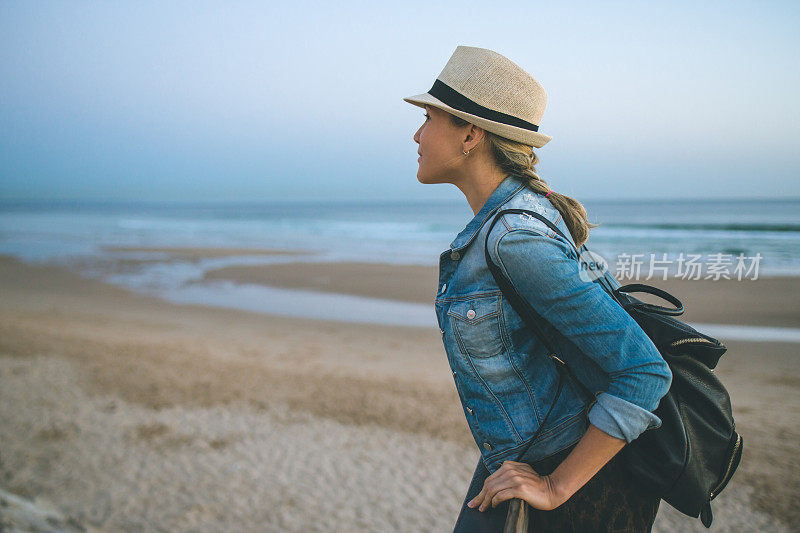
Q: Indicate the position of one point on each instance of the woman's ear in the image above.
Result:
(474, 135)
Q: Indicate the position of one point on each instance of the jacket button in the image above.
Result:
(455, 256)
(454, 372)
(487, 445)
(471, 314)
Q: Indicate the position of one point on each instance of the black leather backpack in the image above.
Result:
(692, 456)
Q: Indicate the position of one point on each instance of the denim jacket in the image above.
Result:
(502, 371)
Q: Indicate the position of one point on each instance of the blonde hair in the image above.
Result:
(517, 158)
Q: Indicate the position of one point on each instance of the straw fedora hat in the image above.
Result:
(490, 91)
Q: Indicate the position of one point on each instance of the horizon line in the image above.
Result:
(294, 201)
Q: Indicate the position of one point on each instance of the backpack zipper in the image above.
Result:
(691, 339)
(728, 470)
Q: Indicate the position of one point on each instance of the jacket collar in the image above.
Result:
(507, 188)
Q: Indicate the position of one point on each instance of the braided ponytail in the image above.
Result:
(517, 158)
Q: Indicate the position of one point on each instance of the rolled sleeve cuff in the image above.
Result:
(620, 418)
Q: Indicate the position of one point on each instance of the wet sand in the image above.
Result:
(406, 283)
(193, 253)
(761, 302)
(130, 413)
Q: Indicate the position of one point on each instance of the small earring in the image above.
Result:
(465, 152)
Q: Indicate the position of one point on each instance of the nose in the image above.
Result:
(416, 136)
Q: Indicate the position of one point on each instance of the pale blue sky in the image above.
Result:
(267, 101)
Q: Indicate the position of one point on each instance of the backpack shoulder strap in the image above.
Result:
(531, 317)
(602, 279)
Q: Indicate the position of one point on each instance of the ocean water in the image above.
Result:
(764, 233)
(398, 232)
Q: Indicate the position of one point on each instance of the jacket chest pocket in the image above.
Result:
(477, 325)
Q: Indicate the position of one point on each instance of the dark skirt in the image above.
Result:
(610, 501)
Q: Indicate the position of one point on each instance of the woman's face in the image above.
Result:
(440, 147)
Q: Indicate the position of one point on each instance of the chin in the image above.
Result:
(426, 178)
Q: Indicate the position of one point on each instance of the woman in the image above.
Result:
(480, 129)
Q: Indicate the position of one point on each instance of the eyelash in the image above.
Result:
(427, 116)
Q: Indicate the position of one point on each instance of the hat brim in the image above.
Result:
(532, 138)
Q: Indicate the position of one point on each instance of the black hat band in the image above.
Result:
(456, 100)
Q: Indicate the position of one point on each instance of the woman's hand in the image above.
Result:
(517, 480)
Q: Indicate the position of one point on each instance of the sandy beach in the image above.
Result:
(129, 413)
